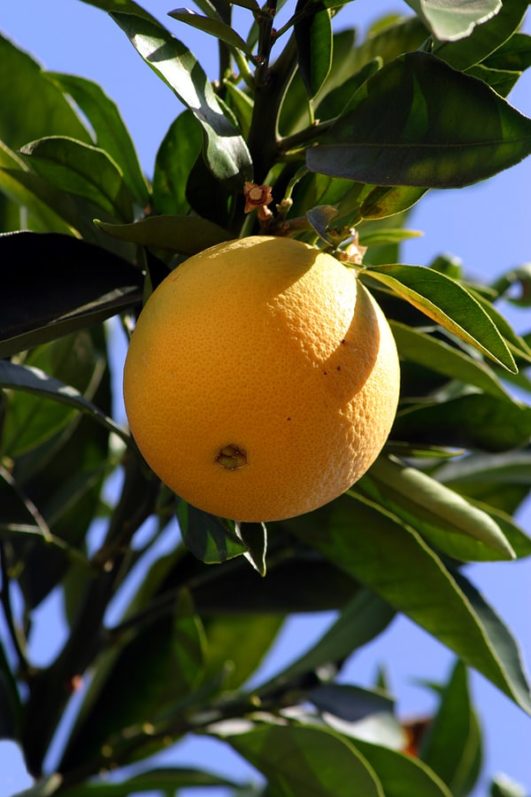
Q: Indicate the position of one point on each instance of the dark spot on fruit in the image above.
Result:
(338, 368)
(288, 419)
(343, 342)
(232, 457)
(325, 373)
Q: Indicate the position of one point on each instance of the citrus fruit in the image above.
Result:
(262, 379)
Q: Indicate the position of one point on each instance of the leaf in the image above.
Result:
(184, 234)
(389, 235)
(82, 170)
(472, 421)
(33, 380)
(401, 775)
(32, 105)
(485, 39)
(125, 6)
(503, 786)
(401, 130)
(313, 35)
(164, 780)
(179, 150)
(448, 303)
(429, 507)
(501, 81)
(397, 564)
(350, 703)
(431, 352)
(225, 150)
(215, 27)
(75, 285)
(451, 20)
(254, 537)
(514, 53)
(209, 538)
(306, 760)
(362, 619)
(241, 104)
(451, 745)
(111, 133)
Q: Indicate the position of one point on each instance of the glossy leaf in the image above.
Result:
(471, 421)
(215, 27)
(485, 38)
(82, 170)
(254, 537)
(33, 380)
(501, 81)
(451, 20)
(240, 104)
(401, 130)
(184, 234)
(503, 786)
(125, 6)
(110, 131)
(313, 34)
(307, 760)
(208, 537)
(225, 150)
(431, 352)
(179, 150)
(451, 745)
(432, 509)
(41, 304)
(32, 105)
(397, 564)
(515, 53)
(448, 303)
(165, 780)
(350, 703)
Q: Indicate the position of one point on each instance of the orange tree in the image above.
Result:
(331, 141)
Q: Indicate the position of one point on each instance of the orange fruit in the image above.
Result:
(262, 379)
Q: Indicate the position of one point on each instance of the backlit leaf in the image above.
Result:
(313, 34)
(451, 20)
(179, 150)
(215, 27)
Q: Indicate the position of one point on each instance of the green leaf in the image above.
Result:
(485, 39)
(111, 133)
(426, 350)
(313, 35)
(389, 235)
(209, 538)
(179, 150)
(33, 380)
(225, 150)
(82, 170)
(306, 760)
(32, 105)
(514, 53)
(451, 745)
(350, 703)
(184, 234)
(501, 81)
(254, 537)
(401, 129)
(402, 775)
(448, 303)
(519, 278)
(503, 786)
(397, 564)
(361, 620)
(240, 104)
(215, 27)
(432, 509)
(125, 6)
(471, 421)
(76, 284)
(451, 20)
(164, 780)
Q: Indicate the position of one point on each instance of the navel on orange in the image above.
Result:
(262, 379)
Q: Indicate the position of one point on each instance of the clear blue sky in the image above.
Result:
(488, 226)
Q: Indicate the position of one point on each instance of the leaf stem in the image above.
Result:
(304, 136)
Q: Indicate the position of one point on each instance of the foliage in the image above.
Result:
(347, 134)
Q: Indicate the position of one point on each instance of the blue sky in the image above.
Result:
(486, 225)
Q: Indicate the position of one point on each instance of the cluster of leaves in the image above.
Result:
(345, 133)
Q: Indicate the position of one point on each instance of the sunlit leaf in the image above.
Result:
(215, 27)
(451, 20)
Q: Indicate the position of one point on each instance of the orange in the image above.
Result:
(262, 379)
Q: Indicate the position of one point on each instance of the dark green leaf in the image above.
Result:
(448, 303)
(419, 347)
(503, 786)
(401, 775)
(306, 760)
(225, 150)
(33, 380)
(125, 6)
(519, 278)
(401, 130)
(82, 170)
(32, 105)
(179, 150)
(451, 746)
(350, 703)
(184, 234)
(501, 81)
(432, 509)
(111, 133)
(398, 565)
(485, 38)
(313, 34)
(208, 537)
(451, 20)
(514, 54)
(254, 537)
(240, 104)
(471, 421)
(164, 780)
(215, 27)
(76, 284)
